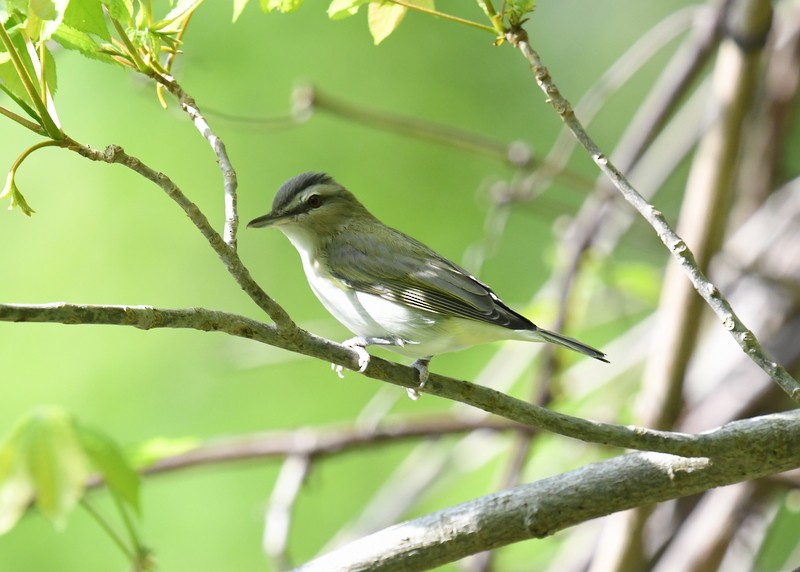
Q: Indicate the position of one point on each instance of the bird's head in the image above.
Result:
(312, 205)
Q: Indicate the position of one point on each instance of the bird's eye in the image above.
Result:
(314, 201)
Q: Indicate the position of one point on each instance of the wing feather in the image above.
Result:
(402, 269)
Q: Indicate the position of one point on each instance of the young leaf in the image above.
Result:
(238, 8)
(283, 6)
(11, 191)
(108, 459)
(87, 16)
(339, 9)
(16, 489)
(44, 18)
(73, 39)
(53, 462)
(120, 10)
(174, 19)
(516, 10)
(383, 18)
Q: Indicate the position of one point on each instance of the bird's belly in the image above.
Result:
(412, 332)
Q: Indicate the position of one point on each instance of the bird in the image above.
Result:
(388, 288)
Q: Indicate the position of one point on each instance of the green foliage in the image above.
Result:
(46, 459)
(28, 70)
(516, 10)
(279, 5)
(10, 191)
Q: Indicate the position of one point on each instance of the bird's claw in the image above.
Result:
(363, 357)
(421, 365)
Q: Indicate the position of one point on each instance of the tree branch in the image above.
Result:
(230, 183)
(300, 341)
(761, 446)
(320, 441)
(115, 154)
(683, 255)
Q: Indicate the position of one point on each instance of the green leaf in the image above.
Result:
(25, 107)
(383, 18)
(121, 10)
(16, 489)
(44, 18)
(87, 16)
(122, 480)
(41, 458)
(8, 73)
(238, 8)
(9, 76)
(283, 6)
(17, 200)
(174, 19)
(516, 10)
(339, 9)
(73, 39)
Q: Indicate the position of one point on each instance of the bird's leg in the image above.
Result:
(357, 344)
(421, 365)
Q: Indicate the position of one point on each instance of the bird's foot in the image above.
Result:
(357, 345)
(421, 365)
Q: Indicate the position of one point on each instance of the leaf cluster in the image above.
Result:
(121, 32)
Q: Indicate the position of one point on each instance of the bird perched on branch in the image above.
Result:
(388, 288)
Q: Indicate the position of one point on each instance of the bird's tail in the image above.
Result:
(574, 345)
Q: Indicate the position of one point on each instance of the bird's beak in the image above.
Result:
(266, 220)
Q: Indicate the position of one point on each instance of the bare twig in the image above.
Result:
(702, 222)
(188, 104)
(115, 154)
(682, 254)
(278, 516)
(319, 442)
(517, 154)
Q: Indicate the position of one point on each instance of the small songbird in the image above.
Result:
(387, 288)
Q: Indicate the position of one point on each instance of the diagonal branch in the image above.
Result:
(683, 255)
(763, 446)
(115, 154)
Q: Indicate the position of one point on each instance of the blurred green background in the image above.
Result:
(103, 235)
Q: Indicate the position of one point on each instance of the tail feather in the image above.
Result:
(574, 345)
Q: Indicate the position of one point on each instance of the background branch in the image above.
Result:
(542, 508)
(683, 255)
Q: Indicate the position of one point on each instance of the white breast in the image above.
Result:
(417, 333)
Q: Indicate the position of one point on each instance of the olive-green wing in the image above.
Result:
(398, 268)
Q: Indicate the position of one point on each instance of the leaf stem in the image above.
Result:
(444, 16)
(129, 47)
(98, 518)
(52, 130)
(35, 127)
(31, 149)
(140, 551)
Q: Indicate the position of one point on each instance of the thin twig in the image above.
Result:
(320, 442)
(278, 516)
(229, 180)
(683, 255)
(115, 154)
